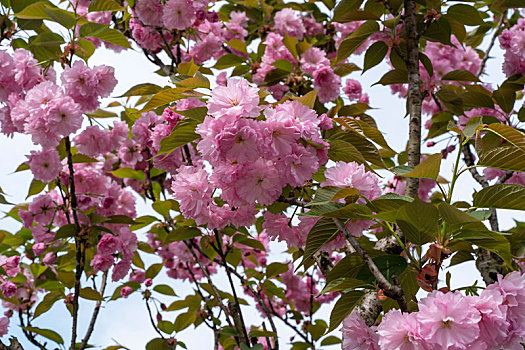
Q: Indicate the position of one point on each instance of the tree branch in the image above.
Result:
(393, 291)
(96, 311)
(414, 94)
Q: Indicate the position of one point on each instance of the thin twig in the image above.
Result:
(95, 312)
(237, 315)
(492, 42)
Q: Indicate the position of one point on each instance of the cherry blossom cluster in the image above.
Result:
(491, 321)
(513, 42)
(252, 159)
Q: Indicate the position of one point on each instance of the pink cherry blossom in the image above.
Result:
(353, 175)
(400, 331)
(357, 335)
(236, 99)
(45, 165)
(288, 21)
(178, 14)
(447, 320)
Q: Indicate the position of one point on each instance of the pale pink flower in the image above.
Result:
(327, 84)
(86, 85)
(121, 270)
(261, 183)
(278, 227)
(28, 72)
(149, 12)
(236, 99)
(353, 175)
(193, 191)
(4, 326)
(239, 141)
(357, 335)
(107, 244)
(400, 331)
(39, 249)
(289, 21)
(312, 59)
(353, 89)
(45, 165)
(178, 14)
(447, 320)
(8, 289)
(102, 262)
(49, 259)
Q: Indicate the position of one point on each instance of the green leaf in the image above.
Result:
(184, 320)
(142, 89)
(129, 173)
(238, 45)
(197, 81)
(515, 137)
(396, 76)
(506, 158)
(353, 41)
(274, 76)
(90, 294)
(104, 5)
(375, 55)
(276, 268)
(166, 326)
(389, 202)
(182, 133)
(358, 15)
(227, 61)
(153, 270)
(307, 99)
(477, 99)
(343, 7)
(452, 215)
(490, 240)
(505, 98)
(49, 300)
(35, 11)
(321, 233)
(343, 283)
(343, 307)
(165, 97)
(181, 234)
(290, 42)
(460, 75)
(472, 126)
(465, 14)
(164, 289)
(331, 340)
(35, 188)
(103, 32)
(47, 333)
(419, 221)
(501, 196)
(451, 100)
(66, 231)
(426, 63)
(428, 168)
(198, 113)
(344, 69)
(158, 344)
(389, 265)
(63, 17)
